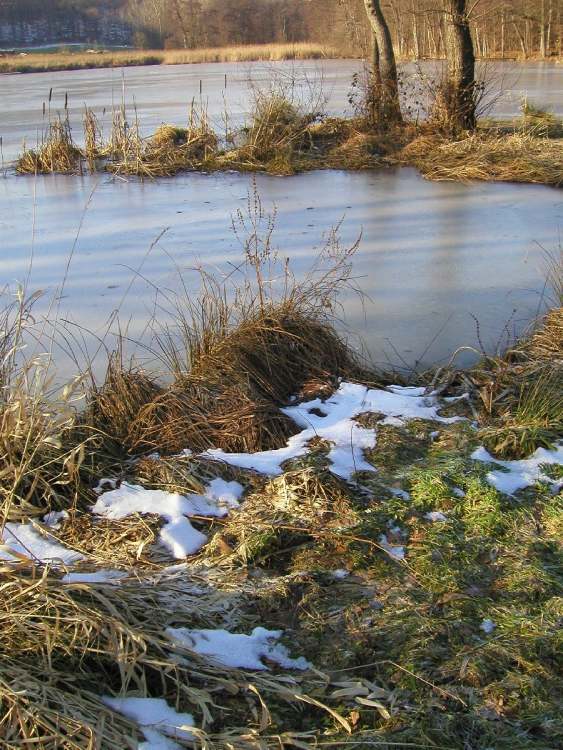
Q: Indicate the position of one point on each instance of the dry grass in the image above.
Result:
(236, 354)
(286, 134)
(61, 644)
(44, 461)
(167, 152)
(517, 157)
(522, 390)
(40, 62)
(56, 152)
(251, 52)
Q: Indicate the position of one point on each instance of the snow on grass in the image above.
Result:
(487, 626)
(333, 420)
(156, 719)
(237, 650)
(395, 551)
(435, 516)
(177, 534)
(24, 539)
(54, 518)
(518, 475)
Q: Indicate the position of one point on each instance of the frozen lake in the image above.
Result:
(434, 258)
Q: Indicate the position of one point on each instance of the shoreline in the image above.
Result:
(275, 516)
(37, 62)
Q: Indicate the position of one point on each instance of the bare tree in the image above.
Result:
(459, 91)
(385, 66)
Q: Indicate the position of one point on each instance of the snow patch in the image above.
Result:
(435, 516)
(487, 626)
(237, 650)
(178, 535)
(24, 539)
(54, 518)
(340, 574)
(157, 720)
(524, 473)
(395, 551)
(333, 420)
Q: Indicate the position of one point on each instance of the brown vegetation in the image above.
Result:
(35, 62)
(517, 157)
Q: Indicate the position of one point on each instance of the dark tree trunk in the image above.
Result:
(460, 84)
(385, 67)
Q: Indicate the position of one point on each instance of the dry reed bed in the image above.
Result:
(517, 157)
(284, 136)
(33, 62)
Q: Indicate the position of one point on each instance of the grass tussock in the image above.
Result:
(541, 122)
(521, 391)
(44, 461)
(56, 152)
(517, 157)
(234, 365)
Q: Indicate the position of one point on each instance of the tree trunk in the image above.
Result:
(389, 88)
(460, 85)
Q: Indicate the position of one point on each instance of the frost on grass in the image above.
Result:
(237, 650)
(156, 719)
(24, 540)
(517, 475)
(333, 420)
(177, 535)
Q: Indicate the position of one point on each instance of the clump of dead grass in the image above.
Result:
(236, 354)
(43, 458)
(522, 390)
(57, 152)
(168, 151)
(291, 512)
(540, 122)
(517, 157)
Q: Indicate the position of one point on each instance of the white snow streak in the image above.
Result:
(237, 650)
(333, 420)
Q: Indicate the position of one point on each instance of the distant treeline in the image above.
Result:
(35, 22)
(529, 28)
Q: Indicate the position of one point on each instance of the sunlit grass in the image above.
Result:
(36, 62)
